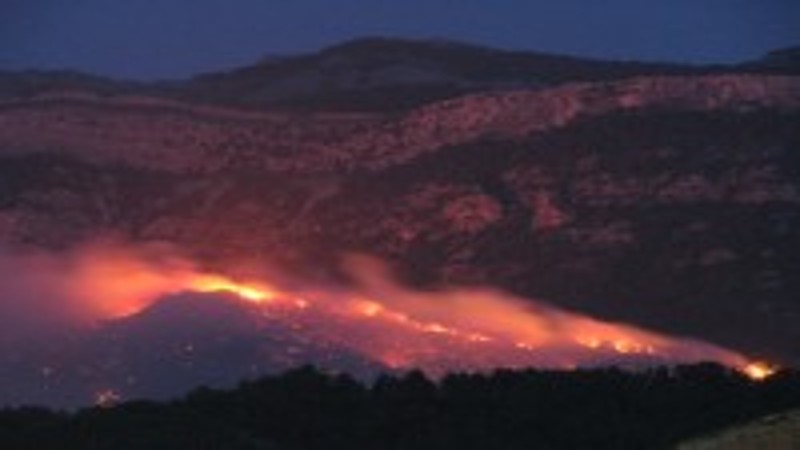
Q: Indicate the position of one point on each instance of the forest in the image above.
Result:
(307, 408)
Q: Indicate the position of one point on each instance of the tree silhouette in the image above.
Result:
(528, 409)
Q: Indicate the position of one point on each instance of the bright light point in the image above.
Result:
(592, 343)
(475, 337)
(245, 291)
(106, 398)
(251, 293)
(369, 308)
(759, 370)
(437, 328)
(624, 347)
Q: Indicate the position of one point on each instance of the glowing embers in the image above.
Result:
(107, 398)
(759, 370)
(367, 308)
(375, 310)
(618, 345)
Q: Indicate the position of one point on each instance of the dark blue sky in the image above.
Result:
(175, 38)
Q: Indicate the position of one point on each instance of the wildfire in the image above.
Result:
(116, 282)
(255, 293)
(438, 332)
(375, 310)
(759, 370)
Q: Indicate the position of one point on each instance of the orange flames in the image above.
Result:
(255, 293)
(116, 281)
(759, 370)
(475, 329)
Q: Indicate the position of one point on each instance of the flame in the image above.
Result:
(367, 308)
(255, 293)
(759, 370)
(115, 282)
(457, 329)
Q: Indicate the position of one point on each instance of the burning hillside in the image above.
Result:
(375, 318)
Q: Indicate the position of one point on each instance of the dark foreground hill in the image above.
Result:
(307, 409)
(775, 432)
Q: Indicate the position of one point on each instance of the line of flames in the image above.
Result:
(262, 294)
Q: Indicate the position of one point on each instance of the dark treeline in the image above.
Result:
(309, 409)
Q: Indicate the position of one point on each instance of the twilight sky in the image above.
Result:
(149, 39)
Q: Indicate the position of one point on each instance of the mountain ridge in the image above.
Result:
(388, 74)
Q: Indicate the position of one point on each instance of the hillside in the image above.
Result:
(776, 432)
(652, 195)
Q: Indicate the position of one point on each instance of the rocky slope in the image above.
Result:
(667, 201)
(167, 135)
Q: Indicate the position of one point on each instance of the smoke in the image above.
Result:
(97, 281)
(522, 332)
(378, 319)
(32, 291)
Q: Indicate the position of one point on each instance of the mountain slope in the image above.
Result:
(179, 343)
(177, 136)
(667, 201)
